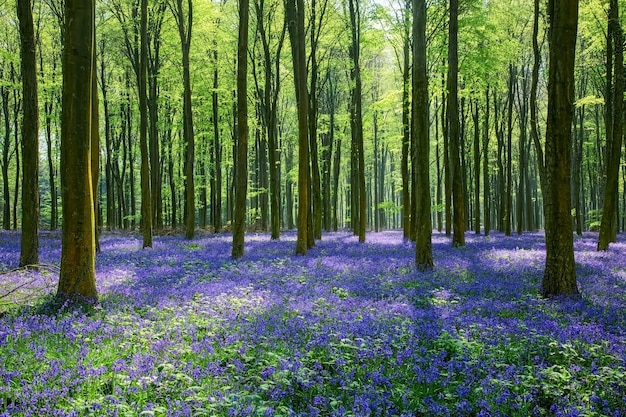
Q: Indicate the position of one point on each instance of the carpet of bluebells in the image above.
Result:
(351, 329)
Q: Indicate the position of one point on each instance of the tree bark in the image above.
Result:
(534, 130)
(486, 184)
(155, 24)
(614, 146)
(560, 273)
(216, 185)
(294, 13)
(420, 122)
(476, 169)
(29, 254)
(146, 198)
(357, 119)
(241, 188)
(6, 148)
(458, 200)
(508, 214)
(77, 278)
(185, 24)
(406, 128)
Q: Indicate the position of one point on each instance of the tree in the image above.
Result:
(458, 219)
(154, 27)
(294, 13)
(30, 138)
(420, 121)
(185, 24)
(146, 199)
(241, 176)
(560, 273)
(614, 143)
(77, 278)
(359, 211)
(268, 97)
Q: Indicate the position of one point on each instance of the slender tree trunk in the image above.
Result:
(614, 146)
(110, 189)
(447, 175)
(29, 254)
(406, 128)
(294, 13)
(241, 189)
(355, 73)
(439, 194)
(508, 216)
(289, 188)
(17, 104)
(77, 278)
(313, 119)
(476, 169)
(534, 130)
(6, 148)
(501, 179)
(336, 172)
(560, 272)
(577, 168)
(170, 169)
(523, 215)
(155, 24)
(185, 24)
(376, 157)
(146, 199)
(216, 188)
(420, 123)
(486, 184)
(95, 150)
(458, 238)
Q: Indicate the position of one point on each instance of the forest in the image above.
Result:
(320, 208)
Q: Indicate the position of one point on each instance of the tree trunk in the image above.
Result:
(447, 175)
(146, 199)
(614, 143)
(6, 148)
(420, 123)
(95, 150)
(153, 68)
(534, 130)
(17, 104)
(523, 215)
(110, 189)
(29, 254)
(406, 128)
(438, 192)
(268, 101)
(577, 168)
(357, 117)
(216, 186)
(294, 13)
(560, 272)
(458, 238)
(314, 30)
(508, 215)
(336, 172)
(241, 188)
(486, 184)
(77, 278)
(476, 169)
(185, 24)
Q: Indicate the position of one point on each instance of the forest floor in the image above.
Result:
(349, 330)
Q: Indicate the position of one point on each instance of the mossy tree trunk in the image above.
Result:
(29, 254)
(560, 273)
(77, 278)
